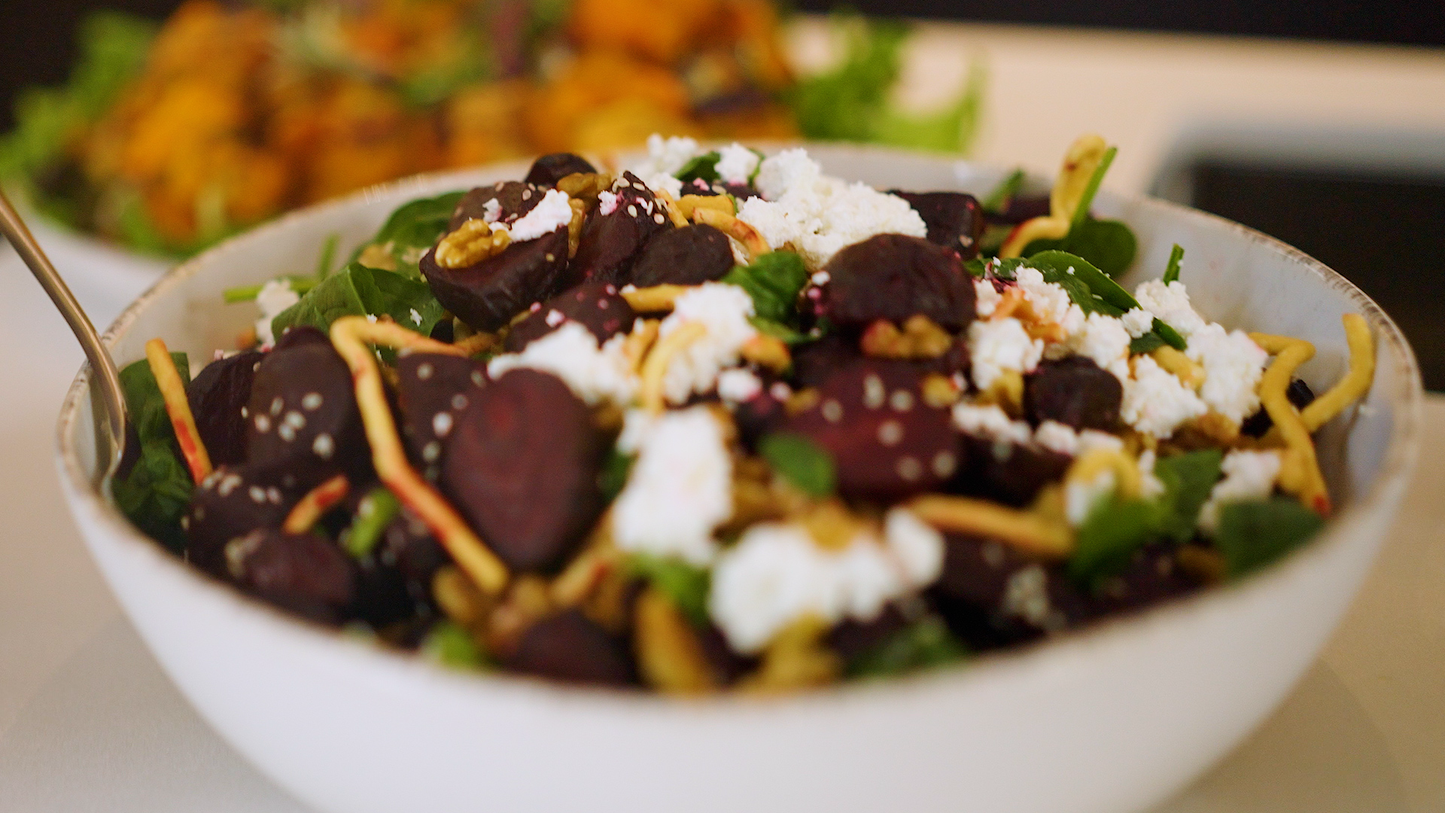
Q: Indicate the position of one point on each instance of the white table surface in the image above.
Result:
(88, 721)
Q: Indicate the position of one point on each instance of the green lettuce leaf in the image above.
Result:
(1110, 535)
(922, 644)
(1255, 533)
(411, 230)
(1108, 244)
(1188, 478)
(801, 462)
(773, 281)
(155, 490)
(359, 291)
(687, 585)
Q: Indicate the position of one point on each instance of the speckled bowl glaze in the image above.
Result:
(1106, 720)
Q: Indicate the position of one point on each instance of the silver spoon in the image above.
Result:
(105, 377)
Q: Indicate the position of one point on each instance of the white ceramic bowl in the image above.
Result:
(1111, 719)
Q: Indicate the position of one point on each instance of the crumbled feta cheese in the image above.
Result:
(662, 182)
(986, 298)
(547, 216)
(1057, 437)
(736, 163)
(1138, 322)
(1091, 439)
(990, 422)
(606, 202)
(723, 310)
(1081, 498)
(416, 317)
(1171, 304)
(1247, 476)
(679, 488)
(1026, 596)
(1049, 300)
(275, 296)
(1150, 486)
(570, 352)
(1105, 341)
(916, 545)
(492, 210)
(1233, 365)
(1156, 402)
(667, 155)
(737, 386)
(788, 171)
(999, 345)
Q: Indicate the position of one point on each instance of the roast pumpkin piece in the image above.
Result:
(231, 502)
(488, 293)
(553, 167)
(893, 277)
(218, 396)
(303, 573)
(690, 255)
(571, 648)
(885, 441)
(954, 219)
(302, 416)
(522, 466)
(597, 306)
(432, 391)
(1073, 391)
(626, 218)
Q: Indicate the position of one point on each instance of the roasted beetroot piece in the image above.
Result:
(885, 441)
(553, 167)
(727, 666)
(232, 502)
(853, 638)
(300, 335)
(1020, 208)
(893, 277)
(690, 255)
(954, 219)
(1073, 391)
(614, 234)
(570, 648)
(991, 594)
(597, 306)
(815, 361)
(1298, 393)
(432, 391)
(302, 415)
(218, 396)
(522, 467)
(1010, 473)
(759, 415)
(408, 546)
(504, 201)
(304, 573)
(1152, 575)
(487, 294)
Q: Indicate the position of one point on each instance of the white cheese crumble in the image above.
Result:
(1156, 402)
(606, 202)
(1049, 300)
(986, 298)
(1138, 322)
(737, 386)
(1081, 498)
(1247, 476)
(1105, 341)
(570, 352)
(991, 423)
(999, 345)
(1061, 438)
(1150, 486)
(1233, 365)
(550, 213)
(776, 574)
(723, 310)
(736, 163)
(1171, 304)
(679, 488)
(492, 211)
(665, 157)
(275, 296)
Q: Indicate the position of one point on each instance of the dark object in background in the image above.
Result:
(1381, 231)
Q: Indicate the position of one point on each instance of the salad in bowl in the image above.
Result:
(717, 421)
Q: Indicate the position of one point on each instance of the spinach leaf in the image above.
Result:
(922, 644)
(802, 462)
(1146, 344)
(1171, 271)
(1087, 200)
(155, 490)
(1188, 478)
(1169, 335)
(1109, 536)
(1108, 244)
(997, 199)
(614, 474)
(702, 167)
(685, 584)
(1091, 289)
(773, 281)
(779, 331)
(1255, 533)
(358, 291)
(411, 230)
(449, 644)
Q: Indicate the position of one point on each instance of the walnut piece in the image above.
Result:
(472, 242)
(920, 338)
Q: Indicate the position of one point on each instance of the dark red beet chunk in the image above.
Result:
(408, 546)
(487, 294)
(302, 415)
(570, 648)
(893, 277)
(513, 199)
(553, 167)
(1152, 575)
(231, 502)
(595, 305)
(1298, 393)
(690, 255)
(815, 361)
(1009, 473)
(217, 397)
(1020, 208)
(304, 573)
(1073, 391)
(991, 594)
(301, 335)
(432, 391)
(611, 241)
(954, 219)
(885, 441)
(522, 467)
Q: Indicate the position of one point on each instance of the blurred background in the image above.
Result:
(1316, 121)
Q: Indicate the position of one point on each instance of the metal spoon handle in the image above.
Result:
(107, 378)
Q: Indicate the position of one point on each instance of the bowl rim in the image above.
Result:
(1396, 466)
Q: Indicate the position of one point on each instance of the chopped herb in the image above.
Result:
(685, 584)
(773, 281)
(1169, 335)
(801, 462)
(702, 167)
(924, 643)
(1087, 200)
(1188, 478)
(1255, 533)
(1171, 272)
(1146, 344)
(376, 510)
(449, 644)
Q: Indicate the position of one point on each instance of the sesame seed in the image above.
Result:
(832, 411)
(459, 402)
(286, 432)
(311, 401)
(262, 423)
(424, 371)
(442, 424)
(323, 446)
(274, 495)
(277, 405)
(228, 485)
(245, 413)
(431, 452)
(901, 400)
(944, 463)
(659, 219)
(257, 494)
(526, 194)
(890, 433)
(551, 258)
(631, 210)
(295, 419)
(873, 392)
(909, 468)
(555, 318)
(477, 377)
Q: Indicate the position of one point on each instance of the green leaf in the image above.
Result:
(375, 511)
(1110, 535)
(924, 643)
(1091, 289)
(1171, 271)
(1169, 335)
(773, 281)
(779, 331)
(359, 291)
(951, 129)
(841, 104)
(997, 199)
(156, 490)
(412, 229)
(614, 474)
(1256, 533)
(1188, 479)
(1087, 200)
(685, 584)
(449, 644)
(1108, 244)
(802, 462)
(1145, 344)
(702, 167)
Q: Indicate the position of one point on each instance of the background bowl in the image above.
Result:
(1109, 719)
